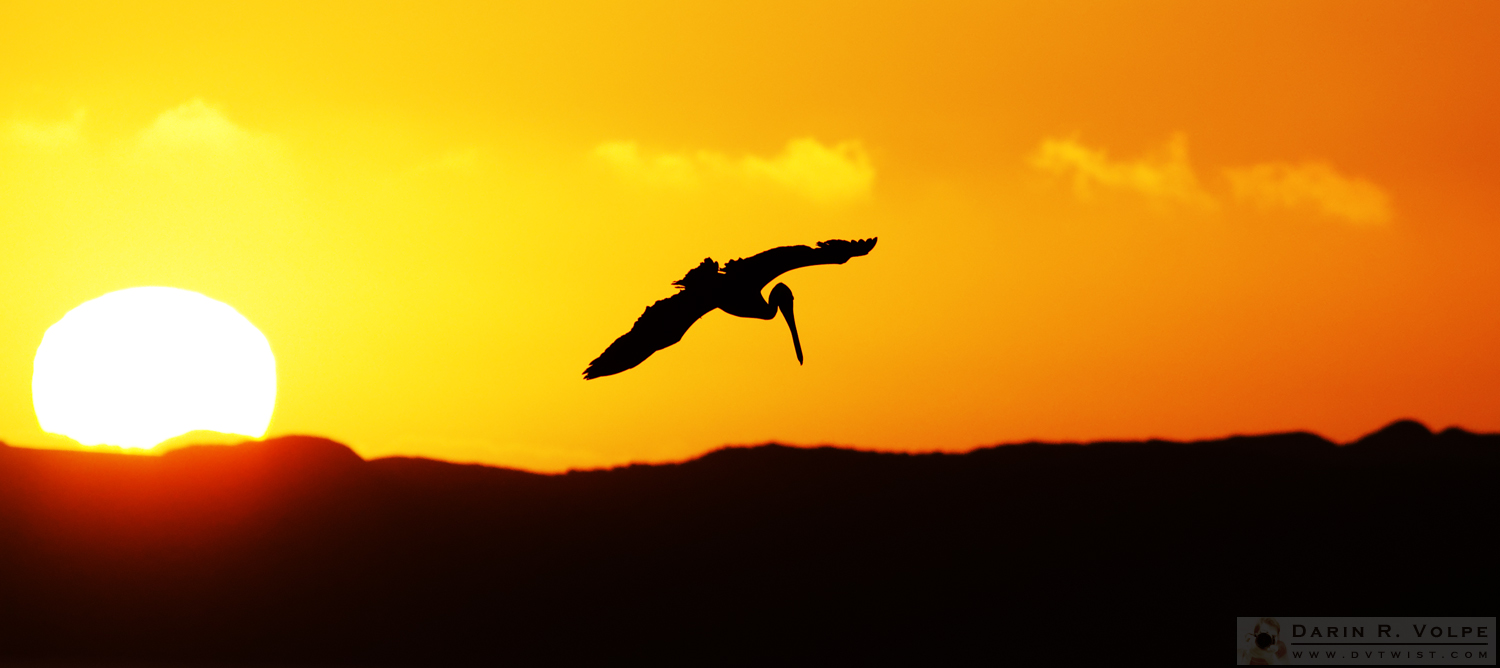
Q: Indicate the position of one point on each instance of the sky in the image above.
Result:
(1097, 220)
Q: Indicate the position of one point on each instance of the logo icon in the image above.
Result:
(1262, 645)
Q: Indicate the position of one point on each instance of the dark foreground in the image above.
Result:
(295, 551)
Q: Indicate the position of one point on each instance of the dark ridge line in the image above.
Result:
(1400, 434)
(296, 551)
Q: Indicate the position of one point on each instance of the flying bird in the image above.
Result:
(735, 289)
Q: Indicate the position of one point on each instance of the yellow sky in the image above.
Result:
(1096, 220)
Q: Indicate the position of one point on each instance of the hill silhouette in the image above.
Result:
(296, 551)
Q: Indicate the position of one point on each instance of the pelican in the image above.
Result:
(735, 289)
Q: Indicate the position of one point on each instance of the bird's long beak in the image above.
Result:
(791, 322)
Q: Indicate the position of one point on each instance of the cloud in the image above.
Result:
(190, 175)
(47, 135)
(195, 128)
(661, 170)
(194, 125)
(828, 174)
(1167, 177)
(196, 139)
(1311, 184)
(1164, 177)
(816, 171)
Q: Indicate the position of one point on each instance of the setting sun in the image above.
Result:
(135, 367)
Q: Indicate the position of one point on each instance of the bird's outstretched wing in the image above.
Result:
(662, 325)
(762, 268)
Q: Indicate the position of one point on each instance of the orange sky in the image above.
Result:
(1096, 220)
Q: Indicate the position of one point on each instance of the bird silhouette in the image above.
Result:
(735, 289)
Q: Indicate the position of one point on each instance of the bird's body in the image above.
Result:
(735, 290)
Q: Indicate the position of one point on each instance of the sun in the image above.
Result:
(136, 367)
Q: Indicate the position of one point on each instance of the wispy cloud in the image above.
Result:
(1165, 176)
(194, 128)
(829, 174)
(194, 125)
(189, 165)
(197, 136)
(1313, 184)
(47, 135)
